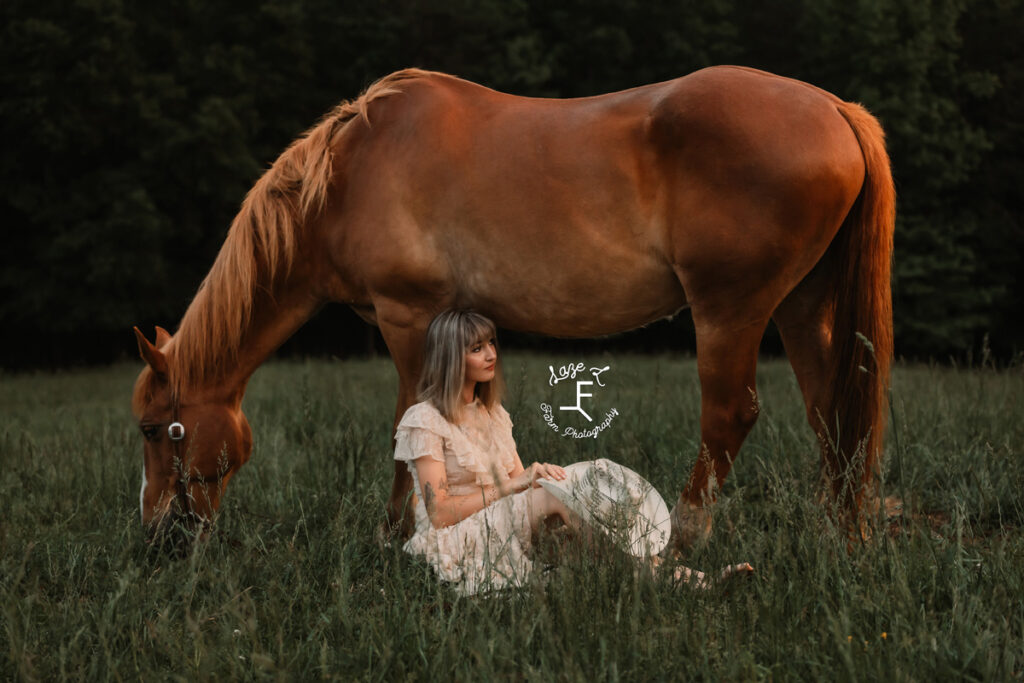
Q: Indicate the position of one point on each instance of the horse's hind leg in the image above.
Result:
(804, 320)
(726, 363)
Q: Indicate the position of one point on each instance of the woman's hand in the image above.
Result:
(538, 470)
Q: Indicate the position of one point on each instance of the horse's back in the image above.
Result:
(750, 131)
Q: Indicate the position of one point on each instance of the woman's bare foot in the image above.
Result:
(679, 573)
(742, 569)
(699, 579)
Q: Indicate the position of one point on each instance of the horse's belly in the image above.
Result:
(579, 292)
(567, 241)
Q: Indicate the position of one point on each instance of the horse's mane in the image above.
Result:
(261, 242)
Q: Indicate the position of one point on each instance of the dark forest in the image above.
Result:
(132, 132)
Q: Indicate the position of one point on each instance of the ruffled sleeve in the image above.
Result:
(503, 418)
(421, 432)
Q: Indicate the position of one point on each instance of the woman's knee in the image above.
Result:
(546, 505)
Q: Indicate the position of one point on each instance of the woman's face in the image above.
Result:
(481, 358)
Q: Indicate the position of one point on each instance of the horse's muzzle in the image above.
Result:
(177, 531)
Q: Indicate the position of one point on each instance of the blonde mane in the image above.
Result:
(261, 242)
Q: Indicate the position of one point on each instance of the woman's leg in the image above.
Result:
(542, 505)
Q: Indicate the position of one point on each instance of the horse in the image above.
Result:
(744, 196)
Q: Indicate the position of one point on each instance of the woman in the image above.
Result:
(476, 506)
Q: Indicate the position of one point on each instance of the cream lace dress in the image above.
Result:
(488, 549)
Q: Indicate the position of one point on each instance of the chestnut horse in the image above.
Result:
(742, 195)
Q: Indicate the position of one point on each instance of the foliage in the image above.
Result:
(293, 584)
(903, 60)
(132, 132)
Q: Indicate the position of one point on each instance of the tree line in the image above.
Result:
(133, 130)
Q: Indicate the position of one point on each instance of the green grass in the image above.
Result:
(294, 585)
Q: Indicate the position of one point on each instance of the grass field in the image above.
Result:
(294, 585)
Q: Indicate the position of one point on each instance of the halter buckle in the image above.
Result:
(176, 431)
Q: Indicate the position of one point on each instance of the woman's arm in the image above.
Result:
(522, 478)
(442, 509)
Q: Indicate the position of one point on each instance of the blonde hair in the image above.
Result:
(449, 336)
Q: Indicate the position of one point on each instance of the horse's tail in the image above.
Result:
(862, 337)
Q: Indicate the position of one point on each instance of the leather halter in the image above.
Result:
(176, 433)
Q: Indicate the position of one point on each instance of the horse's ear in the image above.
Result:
(151, 354)
(162, 337)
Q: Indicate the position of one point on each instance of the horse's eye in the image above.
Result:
(149, 431)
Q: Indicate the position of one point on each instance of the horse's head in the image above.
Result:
(193, 443)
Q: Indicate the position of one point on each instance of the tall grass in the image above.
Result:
(294, 584)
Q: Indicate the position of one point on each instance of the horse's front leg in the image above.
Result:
(726, 363)
(404, 328)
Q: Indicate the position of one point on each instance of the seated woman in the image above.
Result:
(476, 507)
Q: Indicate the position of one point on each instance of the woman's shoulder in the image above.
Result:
(424, 415)
(499, 413)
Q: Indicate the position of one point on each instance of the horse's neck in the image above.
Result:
(274, 318)
(272, 324)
